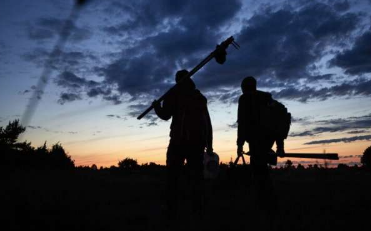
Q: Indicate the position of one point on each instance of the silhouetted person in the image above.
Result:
(191, 133)
(250, 127)
(251, 130)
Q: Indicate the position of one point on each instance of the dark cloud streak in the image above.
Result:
(356, 60)
(345, 140)
(351, 125)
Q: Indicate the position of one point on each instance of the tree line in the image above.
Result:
(23, 155)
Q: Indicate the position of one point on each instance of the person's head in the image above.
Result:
(248, 84)
(186, 84)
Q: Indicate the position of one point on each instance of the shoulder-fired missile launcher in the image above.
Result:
(272, 156)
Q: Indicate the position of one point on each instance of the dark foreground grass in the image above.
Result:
(308, 199)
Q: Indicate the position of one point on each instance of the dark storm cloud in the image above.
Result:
(279, 46)
(138, 75)
(354, 125)
(283, 44)
(345, 140)
(360, 87)
(143, 17)
(115, 99)
(356, 60)
(227, 96)
(76, 85)
(318, 78)
(183, 28)
(341, 5)
(96, 91)
(70, 80)
(68, 97)
(48, 28)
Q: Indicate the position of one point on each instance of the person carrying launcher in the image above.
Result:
(261, 122)
(190, 134)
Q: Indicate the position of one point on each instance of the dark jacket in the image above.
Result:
(191, 124)
(249, 115)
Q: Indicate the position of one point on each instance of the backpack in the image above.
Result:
(275, 119)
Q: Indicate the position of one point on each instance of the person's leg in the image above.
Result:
(174, 163)
(280, 147)
(266, 195)
(195, 166)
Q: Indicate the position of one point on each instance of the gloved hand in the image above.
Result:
(156, 104)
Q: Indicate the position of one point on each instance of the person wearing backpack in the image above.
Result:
(190, 134)
(262, 121)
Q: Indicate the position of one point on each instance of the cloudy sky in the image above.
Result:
(91, 76)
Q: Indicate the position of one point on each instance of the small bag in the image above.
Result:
(211, 166)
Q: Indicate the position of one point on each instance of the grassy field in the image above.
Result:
(83, 199)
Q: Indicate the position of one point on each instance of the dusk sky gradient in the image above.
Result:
(313, 56)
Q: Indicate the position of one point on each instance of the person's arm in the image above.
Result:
(209, 141)
(240, 126)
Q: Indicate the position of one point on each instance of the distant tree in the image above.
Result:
(10, 134)
(42, 150)
(300, 167)
(94, 167)
(326, 165)
(23, 155)
(343, 166)
(60, 157)
(288, 164)
(128, 164)
(24, 147)
(366, 158)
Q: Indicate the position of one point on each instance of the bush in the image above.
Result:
(366, 158)
(128, 164)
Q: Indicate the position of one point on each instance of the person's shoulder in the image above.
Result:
(264, 95)
(267, 94)
(241, 98)
(198, 94)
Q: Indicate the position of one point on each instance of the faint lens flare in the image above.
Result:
(43, 80)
